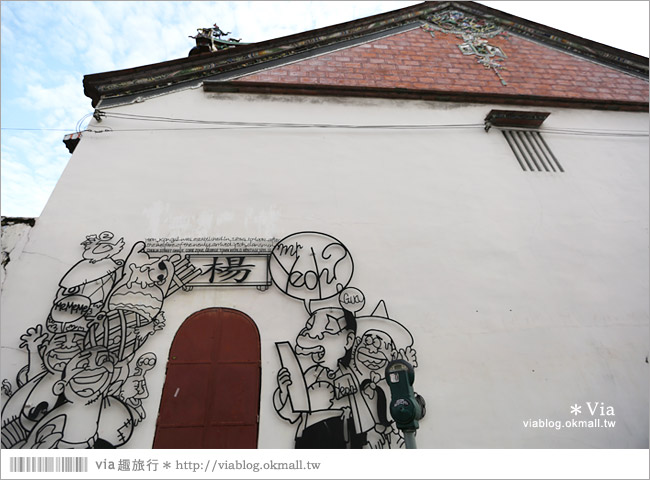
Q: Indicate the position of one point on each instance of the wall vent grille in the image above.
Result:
(521, 129)
(532, 151)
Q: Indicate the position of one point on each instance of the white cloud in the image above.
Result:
(30, 170)
(58, 105)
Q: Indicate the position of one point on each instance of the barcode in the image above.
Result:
(48, 464)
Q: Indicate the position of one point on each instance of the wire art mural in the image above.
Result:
(84, 384)
(475, 33)
(331, 383)
(85, 380)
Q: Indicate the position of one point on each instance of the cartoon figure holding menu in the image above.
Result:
(327, 340)
(331, 384)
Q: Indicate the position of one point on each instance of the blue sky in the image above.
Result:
(47, 47)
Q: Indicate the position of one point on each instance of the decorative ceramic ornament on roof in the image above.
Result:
(475, 33)
(208, 40)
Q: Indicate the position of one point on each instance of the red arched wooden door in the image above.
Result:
(212, 388)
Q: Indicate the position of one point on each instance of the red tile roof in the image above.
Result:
(392, 55)
(417, 60)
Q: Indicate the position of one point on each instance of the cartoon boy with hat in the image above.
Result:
(380, 340)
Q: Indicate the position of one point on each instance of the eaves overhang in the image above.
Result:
(164, 74)
(272, 88)
(226, 64)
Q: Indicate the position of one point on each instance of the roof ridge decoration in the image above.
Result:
(208, 40)
(474, 32)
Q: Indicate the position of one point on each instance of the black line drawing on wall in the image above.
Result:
(232, 269)
(331, 383)
(84, 381)
(310, 266)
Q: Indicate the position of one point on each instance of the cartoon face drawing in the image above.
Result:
(61, 349)
(153, 273)
(72, 394)
(158, 272)
(325, 338)
(145, 362)
(99, 247)
(375, 350)
(86, 376)
(380, 339)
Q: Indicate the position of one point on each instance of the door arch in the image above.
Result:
(211, 395)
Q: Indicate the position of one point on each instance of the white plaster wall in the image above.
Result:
(526, 293)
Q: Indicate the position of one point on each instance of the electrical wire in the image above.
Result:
(571, 131)
(78, 128)
(221, 125)
(214, 124)
(255, 126)
(36, 129)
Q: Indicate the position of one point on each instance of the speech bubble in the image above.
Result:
(352, 299)
(310, 266)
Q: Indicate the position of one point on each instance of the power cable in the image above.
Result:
(274, 124)
(37, 129)
(235, 124)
